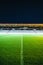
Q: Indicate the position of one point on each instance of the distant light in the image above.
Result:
(21, 32)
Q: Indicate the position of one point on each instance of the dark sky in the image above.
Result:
(19, 11)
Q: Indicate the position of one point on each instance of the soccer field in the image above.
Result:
(10, 49)
(33, 50)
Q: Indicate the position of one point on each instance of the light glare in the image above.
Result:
(20, 32)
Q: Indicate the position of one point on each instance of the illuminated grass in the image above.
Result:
(10, 49)
(33, 50)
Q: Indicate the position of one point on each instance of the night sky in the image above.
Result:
(19, 11)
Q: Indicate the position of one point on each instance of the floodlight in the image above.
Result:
(21, 32)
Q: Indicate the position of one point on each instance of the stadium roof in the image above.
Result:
(23, 25)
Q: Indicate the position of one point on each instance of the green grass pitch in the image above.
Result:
(10, 49)
(33, 50)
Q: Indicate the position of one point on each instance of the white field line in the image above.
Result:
(22, 50)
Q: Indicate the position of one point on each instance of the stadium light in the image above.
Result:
(21, 32)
